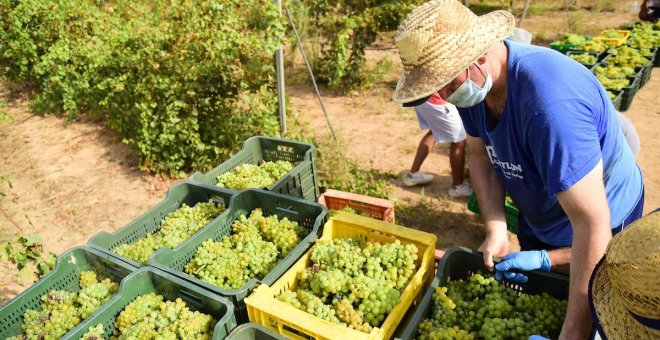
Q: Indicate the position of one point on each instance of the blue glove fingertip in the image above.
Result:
(498, 275)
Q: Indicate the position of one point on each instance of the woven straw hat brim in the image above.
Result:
(612, 315)
(423, 80)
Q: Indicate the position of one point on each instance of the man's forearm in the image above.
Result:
(490, 193)
(560, 260)
(587, 251)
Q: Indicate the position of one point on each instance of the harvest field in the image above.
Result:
(73, 178)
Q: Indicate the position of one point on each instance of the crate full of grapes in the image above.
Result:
(82, 281)
(186, 209)
(279, 165)
(152, 304)
(262, 234)
(465, 301)
(356, 282)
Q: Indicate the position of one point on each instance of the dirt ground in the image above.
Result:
(73, 179)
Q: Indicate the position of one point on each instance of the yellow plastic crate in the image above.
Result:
(264, 308)
(613, 42)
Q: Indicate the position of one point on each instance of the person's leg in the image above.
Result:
(457, 161)
(423, 150)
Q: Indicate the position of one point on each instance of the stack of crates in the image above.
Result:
(293, 197)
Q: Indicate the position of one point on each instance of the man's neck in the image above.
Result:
(498, 65)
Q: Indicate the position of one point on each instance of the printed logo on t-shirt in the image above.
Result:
(509, 170)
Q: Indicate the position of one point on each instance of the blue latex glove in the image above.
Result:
(537, 337)
(524, 261)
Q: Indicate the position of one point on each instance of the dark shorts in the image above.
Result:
(529, 241)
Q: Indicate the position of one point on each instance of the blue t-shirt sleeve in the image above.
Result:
(564, 142)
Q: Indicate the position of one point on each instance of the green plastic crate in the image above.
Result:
(617, 99)
(146, 280)
(460, 263)
(647, 70)
(309, 215)
(253, 331)
(628, 93)
(301, 182)
(65, 276)
(149, 222)
(510, 209)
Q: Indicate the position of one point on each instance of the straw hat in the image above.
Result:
(624, 291)
(440, 39)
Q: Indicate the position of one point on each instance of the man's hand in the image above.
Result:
(496, 244)
(523, 260)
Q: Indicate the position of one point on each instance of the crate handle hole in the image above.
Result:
(191, 298)
(285, 148)
(288, 209)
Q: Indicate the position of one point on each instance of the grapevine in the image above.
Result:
(151, 317)
(175, 228)
(482, 308)
(257, 243)
(62, 310)
(247, 175)
(353, 282)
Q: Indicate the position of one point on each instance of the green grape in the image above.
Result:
(353, 282)
(175, 228)
(482, 308)
(254, 248)
(60, 310)
(94, 333)
(247, 176)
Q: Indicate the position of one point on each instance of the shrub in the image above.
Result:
(184, 82)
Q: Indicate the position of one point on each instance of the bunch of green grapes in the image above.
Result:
(612, 33)
(150, 317)
(626, 56)
(482, 308)
(584, 58)
(353, 282)
(247, 176)
(175, 228)
(615, 72)
(62, 310)
(570, 38)
(594, 46)
(612, 84)
(253, 249)
(94, 333)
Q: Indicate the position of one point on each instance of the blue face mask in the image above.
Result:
(469, 93)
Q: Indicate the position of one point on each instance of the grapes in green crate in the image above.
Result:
(61, 310)
(614, 72)
(611, 33)
(247, 176)
(584, 58)
(151, 317)
(482, 308)
(612, 84)
(353, 282)
(93, 333)
(253, 249)
(594, 46)
(175, 228)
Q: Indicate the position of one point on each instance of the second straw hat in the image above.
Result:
(624, 292)
(441, 38)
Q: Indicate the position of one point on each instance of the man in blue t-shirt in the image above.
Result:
(541, 128)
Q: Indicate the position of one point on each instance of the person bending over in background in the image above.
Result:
(445, 126)
(539, 126)
(649, 10)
